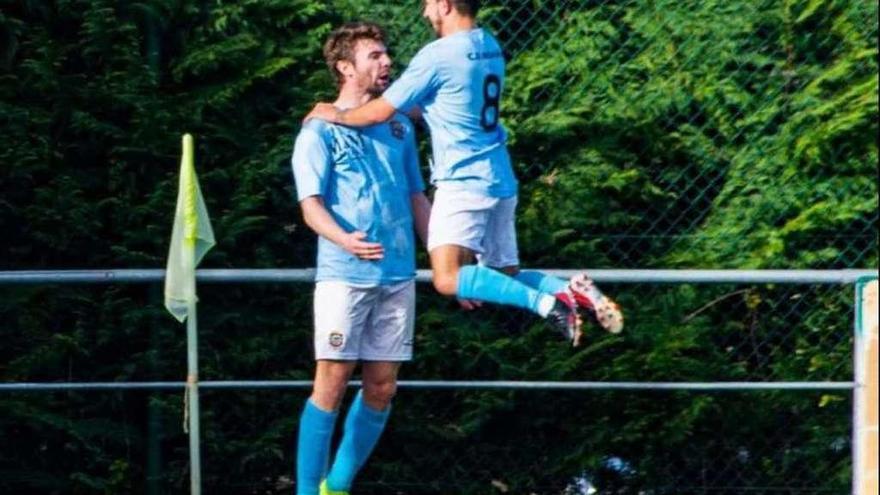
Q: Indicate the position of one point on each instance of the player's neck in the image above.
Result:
(350, 97)
(457, 24)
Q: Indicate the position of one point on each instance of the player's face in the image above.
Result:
(372, 66)
(431, 12)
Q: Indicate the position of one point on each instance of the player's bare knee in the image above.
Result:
(379, 394)
(445, 284)
(330, 386)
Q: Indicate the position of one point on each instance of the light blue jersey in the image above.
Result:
(365, 178)
(457, 81)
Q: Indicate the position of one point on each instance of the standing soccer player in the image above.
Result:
(361, 191)
(455, 83)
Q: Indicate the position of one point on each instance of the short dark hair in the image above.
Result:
(466, 7)
(341, 42)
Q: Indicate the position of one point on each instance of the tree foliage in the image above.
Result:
(646, 133)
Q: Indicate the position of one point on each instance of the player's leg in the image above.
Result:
(385, 343)
(339, 314)
(456, 233)
(540, 280)
(590, 301)
(364, 424)
(500, 250)
(317, 423)
(471, 281)
(446, 261)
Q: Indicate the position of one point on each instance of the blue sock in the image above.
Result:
(363, 427)
(542, 282)
(313, 449)
(485, 284)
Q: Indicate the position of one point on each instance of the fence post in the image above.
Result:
(865, 401)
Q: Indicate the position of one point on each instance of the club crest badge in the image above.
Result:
(337, 340)
(397, 129)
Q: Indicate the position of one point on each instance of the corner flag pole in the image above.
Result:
(191, 237)
(192, 395)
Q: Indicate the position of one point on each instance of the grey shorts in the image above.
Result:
(364, 323)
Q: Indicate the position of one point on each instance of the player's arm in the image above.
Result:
(417, 81)
(421, 208)
(322, 222)
(374, 112)
(312, 165)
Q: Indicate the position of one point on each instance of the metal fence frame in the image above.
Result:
(857, 278)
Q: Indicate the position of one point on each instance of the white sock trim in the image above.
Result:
(545, 305)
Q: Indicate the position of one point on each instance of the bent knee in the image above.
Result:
(446, 284)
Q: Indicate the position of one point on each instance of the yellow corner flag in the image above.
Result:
(191, 238)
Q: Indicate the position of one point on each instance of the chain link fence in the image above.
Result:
(714, 133)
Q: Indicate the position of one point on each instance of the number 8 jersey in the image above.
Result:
(456, 82)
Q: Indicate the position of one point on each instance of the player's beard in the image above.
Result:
(376, 88)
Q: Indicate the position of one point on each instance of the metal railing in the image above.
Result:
(620, 278)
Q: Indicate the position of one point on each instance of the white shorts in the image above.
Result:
(485, 225)
(364, 323)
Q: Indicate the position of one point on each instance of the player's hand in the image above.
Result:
(323, 111)
(355, 244)
(469, 304)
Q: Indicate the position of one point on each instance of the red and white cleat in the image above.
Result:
(591, 301)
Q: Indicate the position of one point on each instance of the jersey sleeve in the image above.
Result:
(419, 80)
(311, 163)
